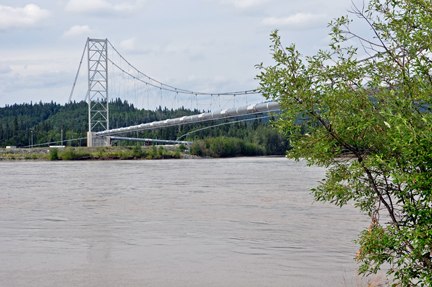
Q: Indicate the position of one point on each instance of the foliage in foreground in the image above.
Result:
(379, 110)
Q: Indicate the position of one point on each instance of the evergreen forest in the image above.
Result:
(42, 124)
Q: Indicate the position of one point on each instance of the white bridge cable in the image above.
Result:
(182, 91)
(76, 77)
(161, 85)
(166, 87)
(55, 142)
(228, 123)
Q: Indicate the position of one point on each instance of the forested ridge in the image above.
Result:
(48, 120)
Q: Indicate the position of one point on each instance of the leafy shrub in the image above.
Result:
(53, 155)
(182, 147)
(225, 147)
(177, 153)
(68, 154)
(137, 151)
(72, 154)
(198, 148)
(161, 151)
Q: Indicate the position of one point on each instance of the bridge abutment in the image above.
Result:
(94, 140)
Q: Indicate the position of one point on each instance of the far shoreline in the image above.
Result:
(101, 154)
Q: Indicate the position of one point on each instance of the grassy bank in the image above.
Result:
(99, 153)
(231, 147)
(209, 147)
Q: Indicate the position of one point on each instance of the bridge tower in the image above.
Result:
(98, 113)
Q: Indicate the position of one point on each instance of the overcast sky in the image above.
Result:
(200, 45)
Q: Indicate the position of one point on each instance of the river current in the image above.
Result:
(204, 222)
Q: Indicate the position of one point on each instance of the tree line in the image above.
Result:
(40, 123)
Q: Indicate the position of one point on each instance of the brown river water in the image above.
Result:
(196, 222)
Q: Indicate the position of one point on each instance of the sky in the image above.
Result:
(199, 45)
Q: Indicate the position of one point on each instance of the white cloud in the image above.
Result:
(99, 7)
(242, 4)
(78, 30)
(4, 69)
(128, 44)
(297, 20)
(27, 17)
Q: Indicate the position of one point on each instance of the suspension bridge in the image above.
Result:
(99, 91)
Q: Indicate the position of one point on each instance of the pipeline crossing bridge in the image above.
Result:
(98, 95)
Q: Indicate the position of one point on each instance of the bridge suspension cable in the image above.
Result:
(222, 124)
(157, 84)
(76, 77)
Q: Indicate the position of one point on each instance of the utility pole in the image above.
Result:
(32, 138)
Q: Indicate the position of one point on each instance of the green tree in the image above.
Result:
(54, 154)
(378, 111)
(15, 128)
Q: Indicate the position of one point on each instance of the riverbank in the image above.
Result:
(93, 153)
